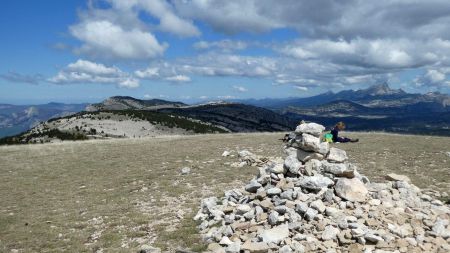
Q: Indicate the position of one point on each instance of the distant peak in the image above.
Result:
(382, 89)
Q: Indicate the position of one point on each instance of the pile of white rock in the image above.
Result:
(316, 201)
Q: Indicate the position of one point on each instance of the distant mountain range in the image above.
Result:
(18, 118)
(375, 96)
(377, 108)
(127, 117)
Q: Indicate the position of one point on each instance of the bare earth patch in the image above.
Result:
(116, 195)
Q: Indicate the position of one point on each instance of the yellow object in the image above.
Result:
(328, 137)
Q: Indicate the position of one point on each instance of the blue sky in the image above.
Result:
(192, 50)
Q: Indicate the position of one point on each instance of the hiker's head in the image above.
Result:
(340, 125)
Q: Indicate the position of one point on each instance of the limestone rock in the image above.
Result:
(338, 169)
(330, 233)
(292, 164)
(255, 247)
(310, 143)
(149, 249)
(318, 205)
(226, 153)
(241, 209)
(253, 186)
(396, 177)
(310, 128)
(234, 247)
(315, 182)
(351, 189)
(273, 191)
(275, 234)
(185, 171)
(285, 249)
(337, 155)
(278, 169)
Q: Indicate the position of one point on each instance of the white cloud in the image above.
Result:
(169, 21)
(84, 66)
(228, 16)
(129, 83)
(325, 18)
(178, 79)
(225, 45)
(83, 71)
(119, 31)
(102, 38)
(240, 88)
(148, 96)
(377, 53)
(434, 78)
(149, 73)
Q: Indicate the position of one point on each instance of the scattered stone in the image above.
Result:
(275, 234)
(225, 241)
(273, 191)
(315, 182)
(318, 205)
(241, 209)
(395, 177)
(185, 171)
(149, 249)
(234, 247)
(226, 153)
(351, 189)
(330, 233)
(253, 186)
(255, 247)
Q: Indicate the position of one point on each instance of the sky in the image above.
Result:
(201, 50)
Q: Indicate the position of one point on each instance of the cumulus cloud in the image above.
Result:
(15, 77)
(434, 78)
(342, 43)
(228, 16)
(149, 73)
(102, 38)
(324, 18)
(169, 21)
(281, 70)
(83, 71)
(378, 53)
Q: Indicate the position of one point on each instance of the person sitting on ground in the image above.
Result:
(340, 126)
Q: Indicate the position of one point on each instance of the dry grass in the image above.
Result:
(117, 195)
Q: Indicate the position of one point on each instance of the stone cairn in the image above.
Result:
(316, 201)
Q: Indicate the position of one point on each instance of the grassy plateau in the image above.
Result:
(117, 195)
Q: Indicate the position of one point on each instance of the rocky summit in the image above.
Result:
(316, 201)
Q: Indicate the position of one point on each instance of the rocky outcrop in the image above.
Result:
(322, 204)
